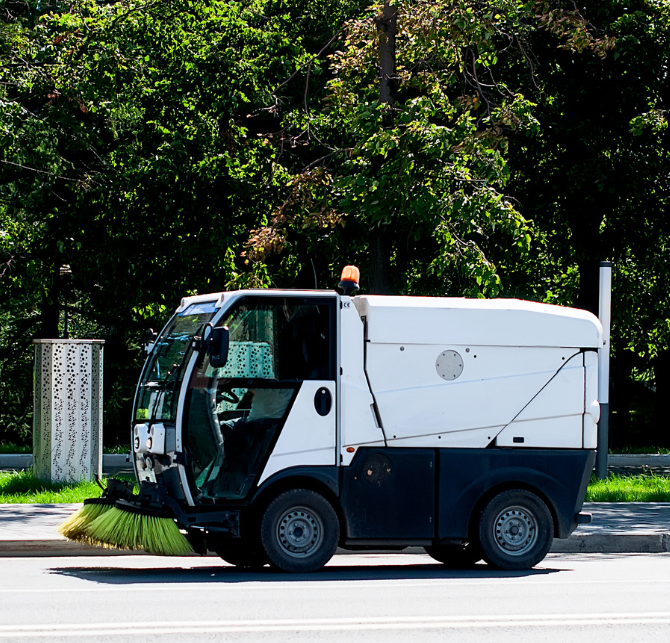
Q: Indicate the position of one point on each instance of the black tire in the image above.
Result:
(244, 558)
(456, 556)
(515, 530)
(299, 531)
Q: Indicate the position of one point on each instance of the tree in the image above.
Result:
(180, 147)
(595, 181)
(426, 160)
(130, 150)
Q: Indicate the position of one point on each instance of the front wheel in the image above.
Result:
(299, 531)
(515, 530)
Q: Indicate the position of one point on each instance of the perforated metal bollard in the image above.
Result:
(67, 419)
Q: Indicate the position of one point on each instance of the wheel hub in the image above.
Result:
(515, 530)
(299, 531)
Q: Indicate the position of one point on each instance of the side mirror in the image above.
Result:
(217, 346)
(149, 340)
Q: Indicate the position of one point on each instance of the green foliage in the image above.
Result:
(130, 150)
(16, 383)
(13, 448)
(170, 148)
(431, 167)
(595, 180)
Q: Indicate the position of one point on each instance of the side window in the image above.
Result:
(282, 339)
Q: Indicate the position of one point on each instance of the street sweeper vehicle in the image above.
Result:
(272, 426)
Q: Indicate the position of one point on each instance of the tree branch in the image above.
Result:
(32, 169)
(327, 156)
(309, 62)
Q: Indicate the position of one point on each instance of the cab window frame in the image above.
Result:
(278, 300)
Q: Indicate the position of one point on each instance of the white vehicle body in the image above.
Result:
(520, 376)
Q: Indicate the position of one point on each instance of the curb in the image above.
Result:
(56, 547)
(638, 460)
(612, 544)
(16, 460)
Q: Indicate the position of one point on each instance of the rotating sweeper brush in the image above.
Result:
(129, 522)
(75, 527)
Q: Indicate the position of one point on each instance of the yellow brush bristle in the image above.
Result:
(162, 537)
(74, 528)
(125, 530)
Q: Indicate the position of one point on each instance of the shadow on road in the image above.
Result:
(227, 574)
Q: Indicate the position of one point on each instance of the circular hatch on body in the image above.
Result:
(449, 365)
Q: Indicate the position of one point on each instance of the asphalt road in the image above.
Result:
(569, 597)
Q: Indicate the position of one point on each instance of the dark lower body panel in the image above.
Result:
(414, 494)
(468, 477)
(408, 496)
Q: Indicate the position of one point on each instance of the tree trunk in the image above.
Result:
(379, 282)
(621, 370)
(51, 306)
(588, 297)
(386, 28)
(660, 433)
(379, 237)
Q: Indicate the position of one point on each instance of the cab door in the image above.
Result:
(309, 435)
(273, 405)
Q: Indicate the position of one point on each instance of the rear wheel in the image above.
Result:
(299, 531)
(456, 556)
(515, 530)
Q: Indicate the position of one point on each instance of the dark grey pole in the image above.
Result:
(604, 312)
(65, 274)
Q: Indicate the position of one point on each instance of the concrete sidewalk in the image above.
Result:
(30, 530)
(626, 527)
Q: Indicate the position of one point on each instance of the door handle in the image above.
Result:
(323, 401)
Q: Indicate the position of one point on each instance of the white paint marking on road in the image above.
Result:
(334, 624)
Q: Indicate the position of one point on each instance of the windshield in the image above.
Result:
(159, 388)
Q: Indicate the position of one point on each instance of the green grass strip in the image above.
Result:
(641, 488)
(22, 487)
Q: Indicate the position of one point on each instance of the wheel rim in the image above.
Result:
(515, 531)
(299, 532)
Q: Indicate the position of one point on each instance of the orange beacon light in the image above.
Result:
(349, 280)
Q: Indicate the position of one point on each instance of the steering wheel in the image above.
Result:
(227, 395)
